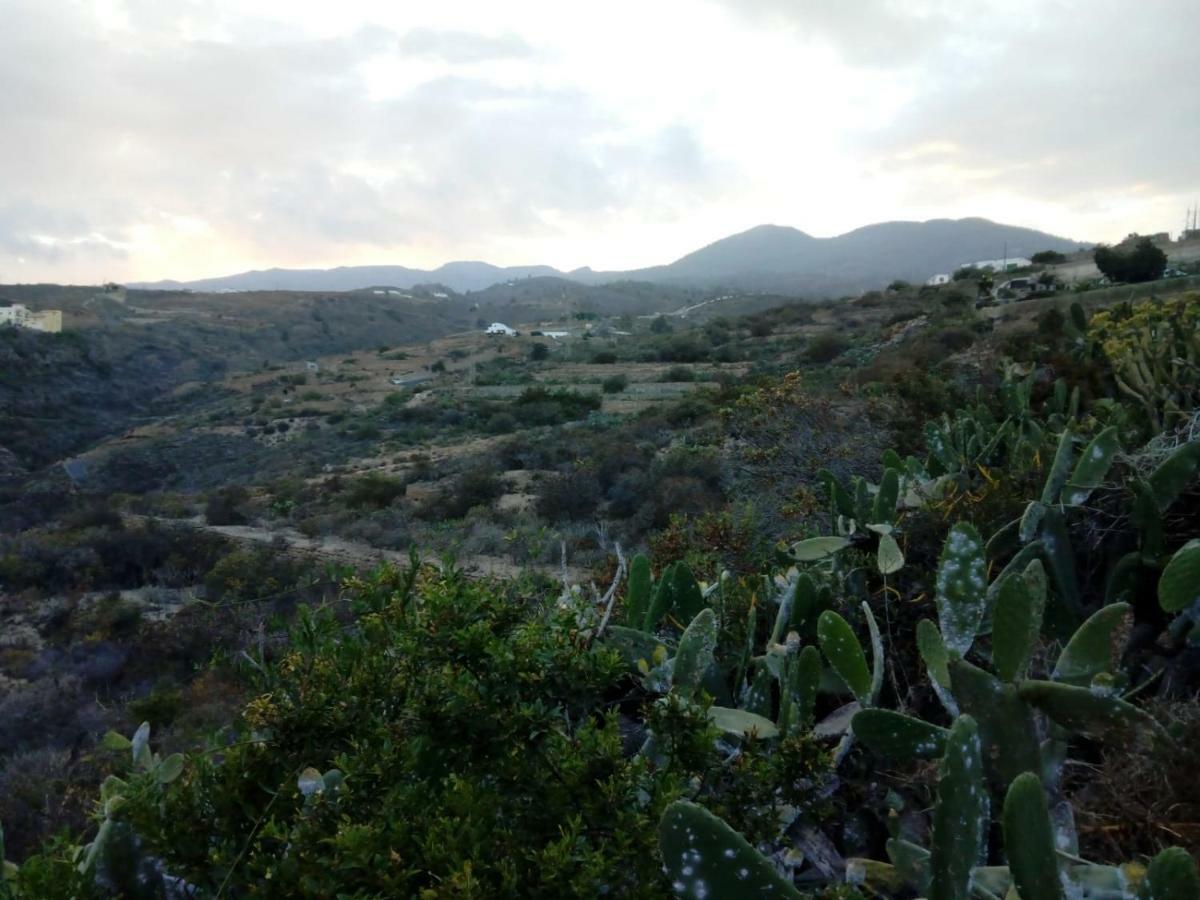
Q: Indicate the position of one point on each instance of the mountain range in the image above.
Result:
(766, 258)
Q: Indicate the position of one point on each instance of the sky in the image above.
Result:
(147, 139)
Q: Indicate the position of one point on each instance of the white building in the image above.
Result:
(1001, 265)
(935, 280)
(500, 328)
(23, 317)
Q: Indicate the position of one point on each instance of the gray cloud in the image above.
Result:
(463, 46)
(884, 33)
(280, 146)
(1076, 102)
(273, 140)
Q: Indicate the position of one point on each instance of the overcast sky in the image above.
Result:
(145, 139)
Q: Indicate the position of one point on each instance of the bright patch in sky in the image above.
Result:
(185, 138)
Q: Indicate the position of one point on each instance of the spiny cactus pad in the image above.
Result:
(1029, 840)
(1093, 465)
(960, 817)
(1179, 586)
(1090, 650)
(705, 858)
(845, 654)
(695, 653)
(1082, 709)
(961, 587)
(637, 595)
(898, 736)
(1172, 876)
(1005, 721)
(1017, 621)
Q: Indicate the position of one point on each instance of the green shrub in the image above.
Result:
(825, 347)
(678, 373)
(511, 778)
(227, 506)
(375, 490)
(614, 384)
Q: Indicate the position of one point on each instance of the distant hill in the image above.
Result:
(459, 276)
(766, 258)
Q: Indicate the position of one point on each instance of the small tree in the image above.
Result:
(1048, 258)
(539, 352)
(1145, 262)
(614, 384)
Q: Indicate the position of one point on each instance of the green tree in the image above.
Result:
(1048, 258)
(1145, 262)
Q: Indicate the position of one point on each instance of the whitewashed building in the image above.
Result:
(500, 328)
(23, 317)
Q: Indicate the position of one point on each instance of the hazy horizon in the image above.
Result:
(185, 139)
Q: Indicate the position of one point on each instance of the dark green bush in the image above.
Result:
(375, 490)
(614, 384)
(825, 347)
(479, 756)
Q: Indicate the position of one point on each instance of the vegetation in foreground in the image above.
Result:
(937, 692)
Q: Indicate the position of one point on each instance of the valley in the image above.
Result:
(190, 477)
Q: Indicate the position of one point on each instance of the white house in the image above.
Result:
(500, 328)
(941, 278)
(20, 315)
(1001, 265)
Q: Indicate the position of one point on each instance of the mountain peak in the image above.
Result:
(768, 257)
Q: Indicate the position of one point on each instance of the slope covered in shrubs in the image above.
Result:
(934, 692)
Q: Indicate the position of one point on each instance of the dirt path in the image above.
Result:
(354, 553)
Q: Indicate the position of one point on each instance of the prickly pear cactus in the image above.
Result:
(961, 587)
(1017, 621)
(1093, 465)
(960, 818)
(887, 497)
(1179, 586)
(1005, 722)
(695, 653)
(1172, 876)
(845, 654)
(804, 605)
(687, 600)
(1060, 468)
(758, 696)
(1083, 709)
(637, 596)
(898, 736)
(705, 858)
(807, 682)
(889, 558)
(1173, 474)
(660, 598)
(1090, 651)
(1029, 840)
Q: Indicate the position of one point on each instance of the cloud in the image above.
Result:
(884, 33)
(1072, 103)
(152, 138)
(281, 146)
(463, 46)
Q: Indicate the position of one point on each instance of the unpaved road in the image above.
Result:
(359, 554)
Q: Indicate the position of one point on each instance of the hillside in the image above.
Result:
(766, 258)
(230, 563)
